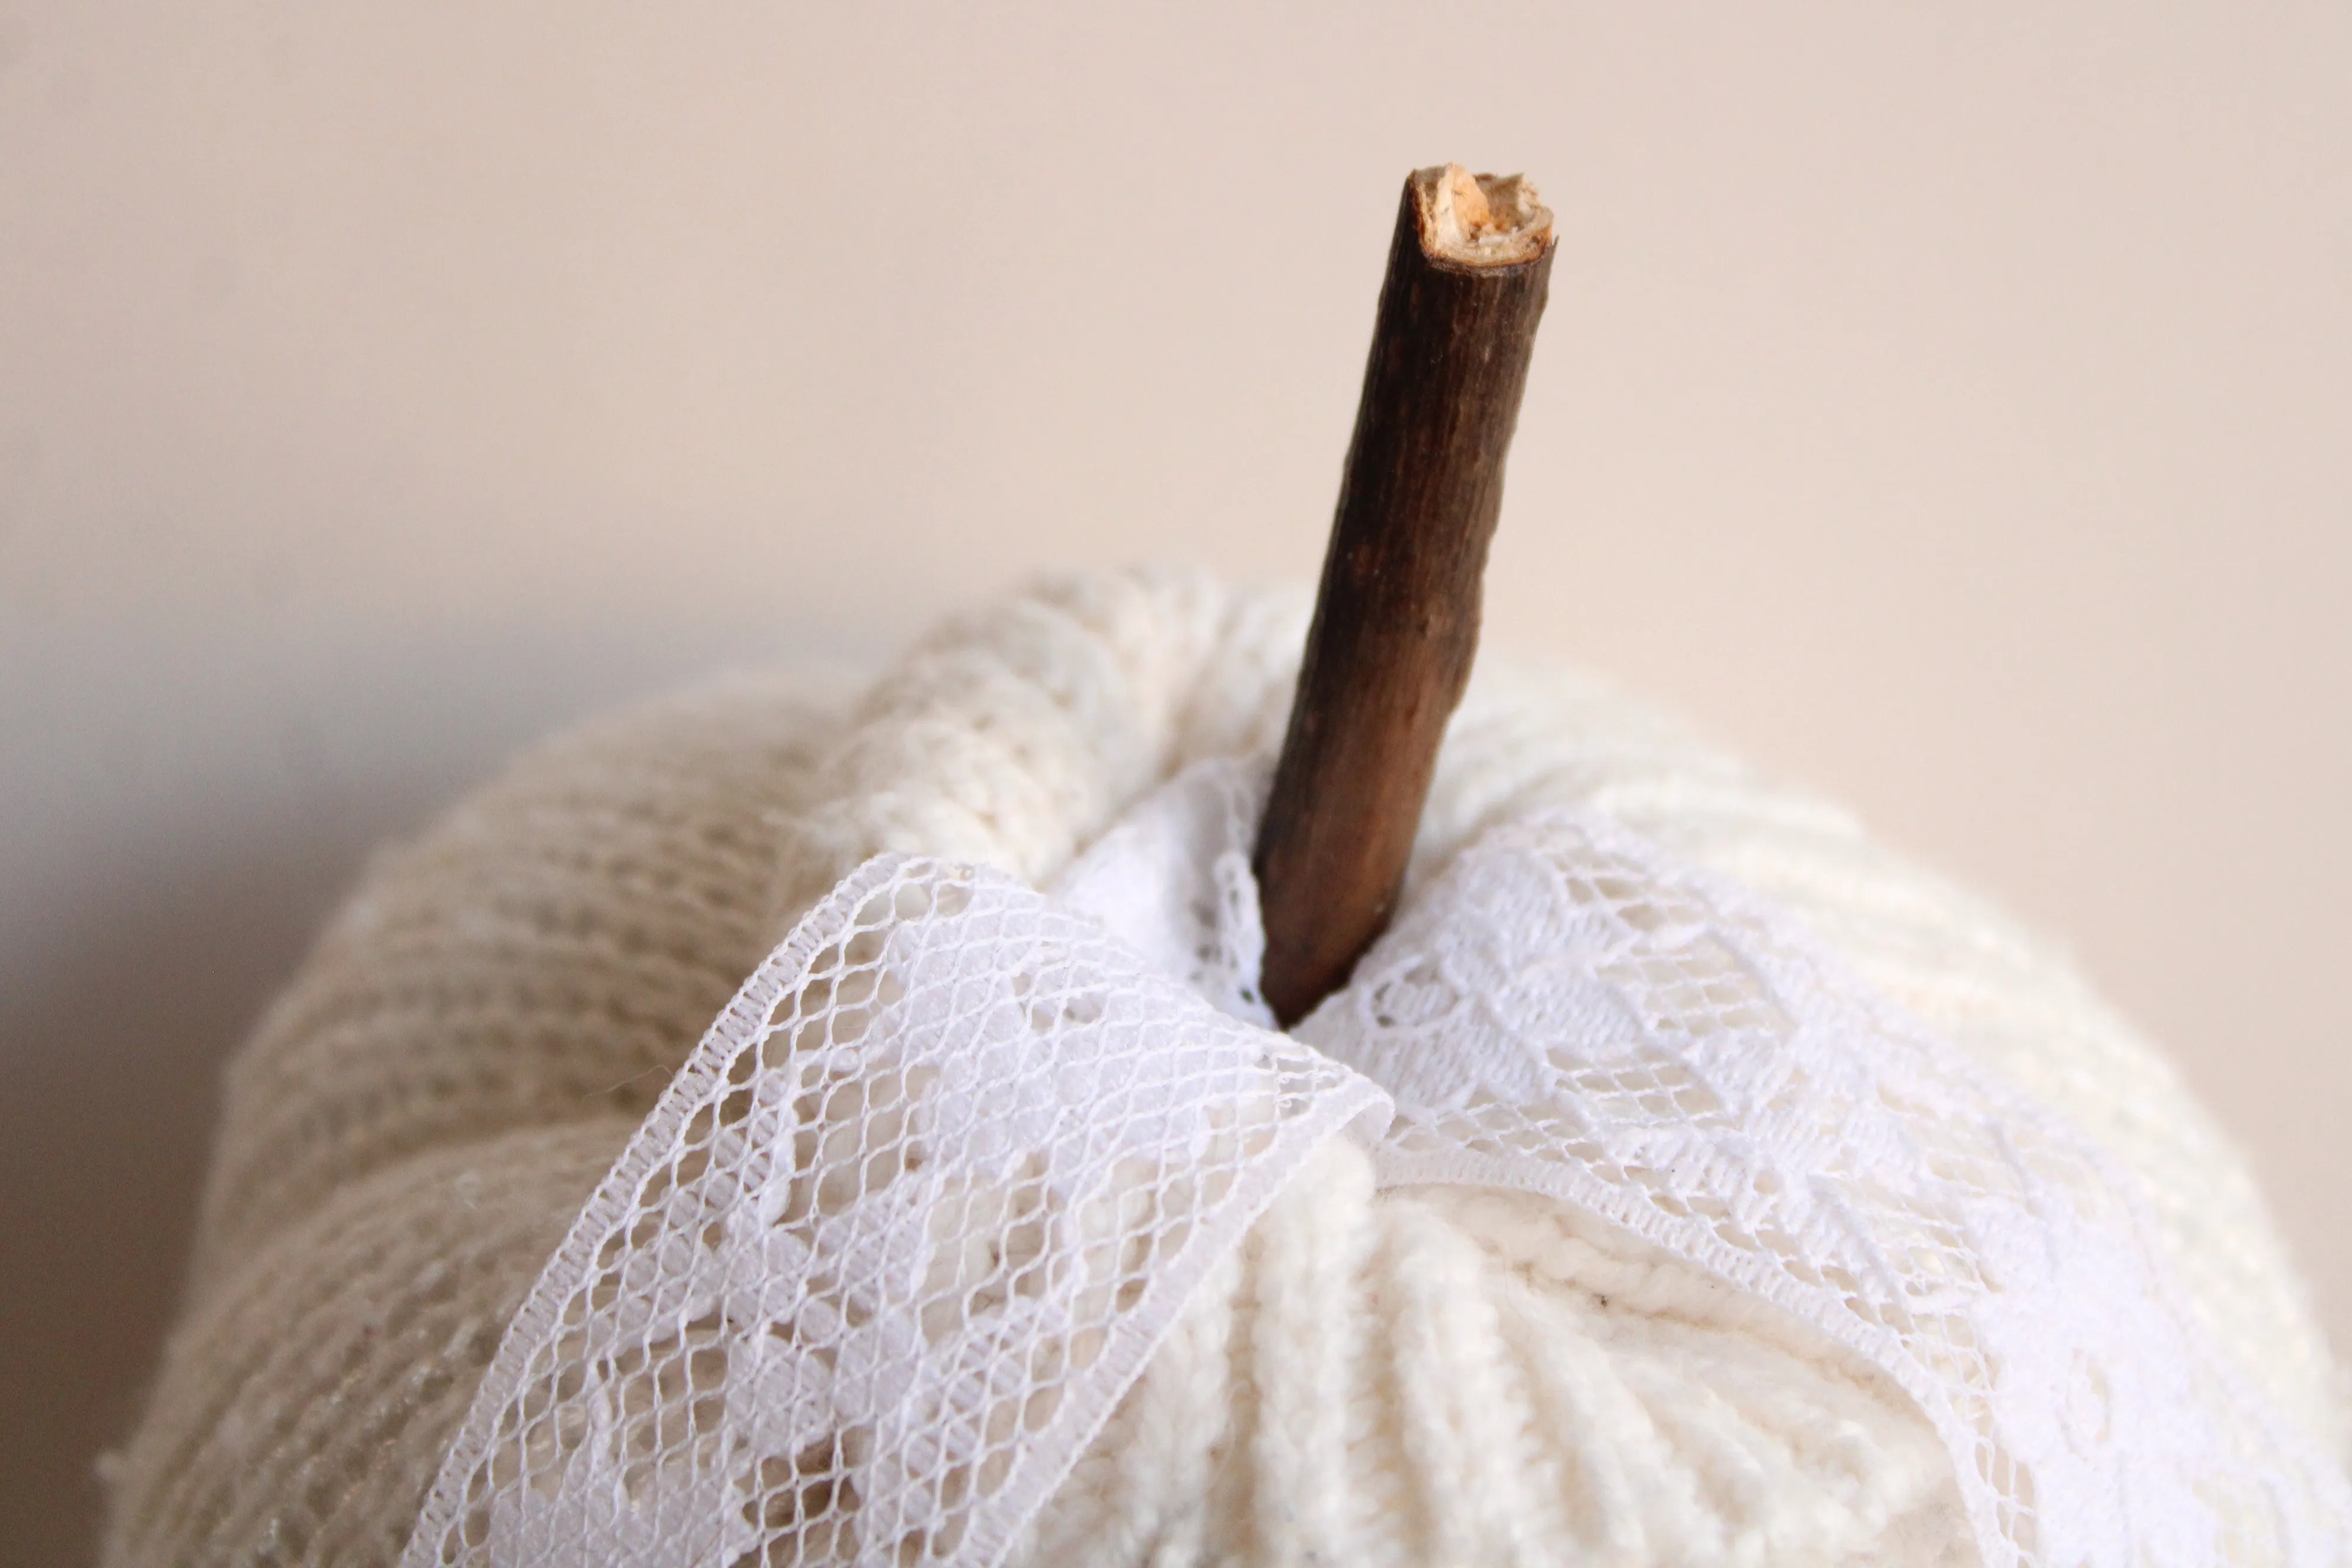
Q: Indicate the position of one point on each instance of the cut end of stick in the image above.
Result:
(1479, 220)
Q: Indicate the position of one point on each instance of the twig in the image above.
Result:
(1396, 618)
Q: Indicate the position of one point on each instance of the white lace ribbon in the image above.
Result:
(916, 1212)
(1567, 1012)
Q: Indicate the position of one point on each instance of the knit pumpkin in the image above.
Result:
(1326, 1303)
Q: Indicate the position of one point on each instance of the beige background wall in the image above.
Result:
(1947, 405)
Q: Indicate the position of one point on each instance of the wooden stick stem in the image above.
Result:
(1396, 618)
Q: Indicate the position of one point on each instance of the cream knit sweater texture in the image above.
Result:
(1410, 1375)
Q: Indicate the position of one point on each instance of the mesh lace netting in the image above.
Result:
(911, 1218)
(1653, 1233)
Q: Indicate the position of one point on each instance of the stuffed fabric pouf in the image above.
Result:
(1681, 1179)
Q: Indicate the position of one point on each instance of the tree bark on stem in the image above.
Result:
(1396, 617)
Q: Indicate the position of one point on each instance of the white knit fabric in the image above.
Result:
(1403, 1374)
